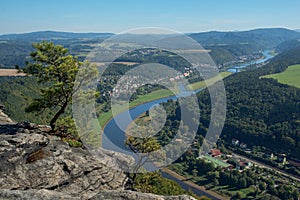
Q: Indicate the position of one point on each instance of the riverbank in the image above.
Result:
(104, 118)
(209, 193)
(181, 180)
(211, 81)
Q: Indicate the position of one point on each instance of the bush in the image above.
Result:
(65, 128)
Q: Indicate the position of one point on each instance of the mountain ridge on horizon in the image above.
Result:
(91, 34)
(224, 46)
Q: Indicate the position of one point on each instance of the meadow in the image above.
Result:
(291, 76)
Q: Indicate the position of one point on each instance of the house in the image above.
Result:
(235, 142)
(215, 152)
(281, 158)
(186, 74)
(240, 165)
(269, 155)
(178, 140)
(248, 164)
(243, 145)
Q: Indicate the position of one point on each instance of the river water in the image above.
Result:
(114, 134)
(114, 131)
(266, 54)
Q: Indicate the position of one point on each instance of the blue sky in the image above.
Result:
(17, 16)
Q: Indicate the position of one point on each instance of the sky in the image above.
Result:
(20, 16)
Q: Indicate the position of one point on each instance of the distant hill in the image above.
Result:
(262, 38)
(15, 48)
(53, 35)
(224, 46)
(287, 45)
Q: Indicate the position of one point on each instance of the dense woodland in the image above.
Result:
(16, 93)
(261, 112)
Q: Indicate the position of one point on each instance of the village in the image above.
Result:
(234, 161)
(130, 83)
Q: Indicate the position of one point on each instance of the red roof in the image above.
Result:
(215, 152)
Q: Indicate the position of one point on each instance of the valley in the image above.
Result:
(262, 110)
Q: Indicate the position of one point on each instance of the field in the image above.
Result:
(158, 94)
(291, 76)
(10, 72)
(216, 161)
(202, 84)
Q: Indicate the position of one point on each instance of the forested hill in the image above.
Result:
(288, 45)
(279, 63)
(263, 38)
(15, 48)
(53, 35)
(225, 46)
(262, 112)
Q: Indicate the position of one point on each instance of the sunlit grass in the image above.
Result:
(291, 76)
(211, 81)
(158, 94)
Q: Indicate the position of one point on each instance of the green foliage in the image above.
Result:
(65, 128)
(13, 52)
(16, 93)
(259, 112)
(56, 69)
(143, 145)
(153, 182)
(67, 123)
(73, 142)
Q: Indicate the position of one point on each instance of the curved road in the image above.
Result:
(294, 177)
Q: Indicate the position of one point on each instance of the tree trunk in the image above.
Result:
(56, 116)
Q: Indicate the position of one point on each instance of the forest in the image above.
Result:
(260, 111)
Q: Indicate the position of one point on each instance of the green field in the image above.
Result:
(291, 76)
(158, 94)
(202, 84)
(215, 161)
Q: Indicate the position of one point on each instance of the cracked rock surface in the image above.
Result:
(36, 165)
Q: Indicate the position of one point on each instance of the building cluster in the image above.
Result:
(236, 142)
(241, 60)
(226, 161)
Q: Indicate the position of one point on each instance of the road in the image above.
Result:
(189, 185)
(294, 177)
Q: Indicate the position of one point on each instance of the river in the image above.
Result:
(267, 56)
(114, 134)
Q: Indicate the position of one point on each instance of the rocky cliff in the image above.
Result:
(36, 165)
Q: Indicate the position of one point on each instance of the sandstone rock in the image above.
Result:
(131, 195)
(33, 161)
(34, 195)
(36, 165)
(104, 195)
(4, 119)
